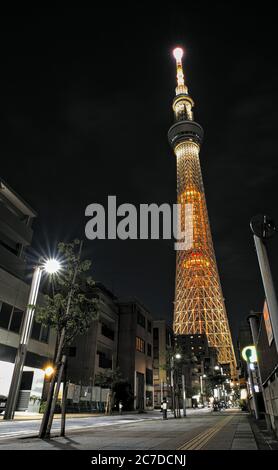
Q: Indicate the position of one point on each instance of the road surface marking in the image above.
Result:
(201, 439)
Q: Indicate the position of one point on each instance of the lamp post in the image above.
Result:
(202, 388)
(250, 356)
(51, 266)
(172, 359)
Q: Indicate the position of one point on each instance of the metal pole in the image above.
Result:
(255, 401)
(23, 345)
(172, 386)
(183, 395)
(269, 289)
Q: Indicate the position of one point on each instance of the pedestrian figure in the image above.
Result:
(164, 408)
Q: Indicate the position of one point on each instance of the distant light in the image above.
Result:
(178, 53)
(178, 356)
(48, 371)
(52, 266)
(216, 367)
(243, 394)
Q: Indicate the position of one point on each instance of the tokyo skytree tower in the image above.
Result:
(199, 304)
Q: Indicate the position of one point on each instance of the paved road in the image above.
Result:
(30, 428)
(200, 430)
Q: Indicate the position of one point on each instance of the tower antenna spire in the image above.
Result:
(181, 87)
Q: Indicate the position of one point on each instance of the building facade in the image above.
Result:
(162, 342)
(268, 368)
(135, 351)
(198, 364)
(16, 233)
(199, 304)
(95, 353)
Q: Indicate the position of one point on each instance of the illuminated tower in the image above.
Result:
(199, 303)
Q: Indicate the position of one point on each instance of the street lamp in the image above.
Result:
(51, 266)
(250, 356)
(48, 371)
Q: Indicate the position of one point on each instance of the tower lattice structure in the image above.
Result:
(199, 304)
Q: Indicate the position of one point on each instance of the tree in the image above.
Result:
(120, 389)
(70, 311)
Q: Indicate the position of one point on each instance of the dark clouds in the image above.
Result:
(86, 105)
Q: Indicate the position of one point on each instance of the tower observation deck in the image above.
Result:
(199, 305)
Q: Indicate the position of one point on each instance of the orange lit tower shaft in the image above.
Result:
(199, 304)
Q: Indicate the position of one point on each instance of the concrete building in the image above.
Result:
(135, 351)
(162, 341)
(197, 363)
(96, 351)
(268, 369)
(16, 233)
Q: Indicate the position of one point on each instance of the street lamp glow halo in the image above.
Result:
(52, 266)
(49, 370)
(178, 356)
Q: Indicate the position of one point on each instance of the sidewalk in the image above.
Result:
(23, 416)
(28, 416)
(242, 433)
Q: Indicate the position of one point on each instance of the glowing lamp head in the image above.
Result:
(178, 356)
(178, 53)
(49, 371)
(52, 266)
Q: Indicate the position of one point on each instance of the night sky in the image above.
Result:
(86, 101)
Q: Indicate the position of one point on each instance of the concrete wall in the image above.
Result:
(271, 402)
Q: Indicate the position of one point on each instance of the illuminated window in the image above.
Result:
(140, 344)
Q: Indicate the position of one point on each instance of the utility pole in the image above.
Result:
(172, 385)
(183, 395)
(263, 228)
(251, 378)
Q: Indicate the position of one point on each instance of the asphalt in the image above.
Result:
(200, 430)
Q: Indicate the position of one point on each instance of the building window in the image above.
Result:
(155, 333)
(149, 326)
(141, 320)
(5, 315)
(10, 317)
(149, 377)
(149, 350)
(44, 334)
(16, 320)
(40, 332)
(104, 361)
(107, 332)
(140, 344)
